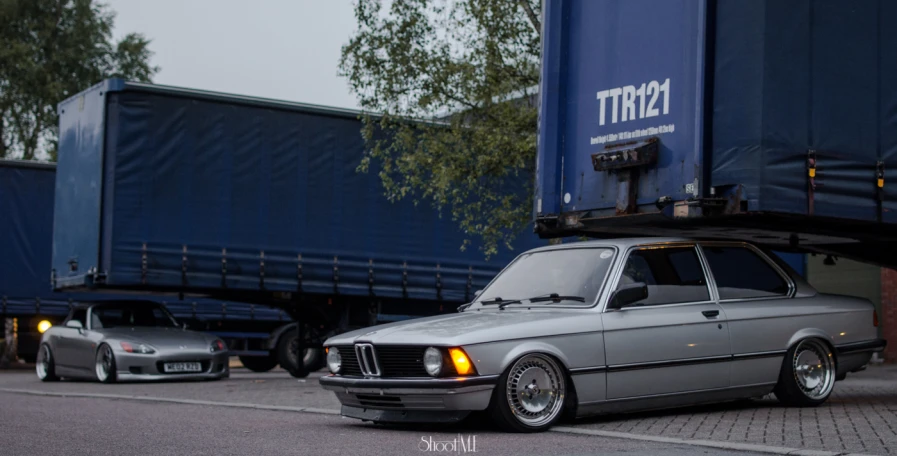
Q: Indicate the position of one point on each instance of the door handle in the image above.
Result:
(711, 313)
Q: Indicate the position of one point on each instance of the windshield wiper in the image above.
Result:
(501, 302)
(554, 297)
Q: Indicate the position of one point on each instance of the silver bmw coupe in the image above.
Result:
(128, 340)
(609, 326)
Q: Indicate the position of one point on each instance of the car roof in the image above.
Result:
(625, 243)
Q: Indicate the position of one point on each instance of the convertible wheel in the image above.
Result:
(808, 374)
(46, 365)
(530, 395)
(105, 366)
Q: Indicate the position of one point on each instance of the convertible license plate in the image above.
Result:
(182, 367)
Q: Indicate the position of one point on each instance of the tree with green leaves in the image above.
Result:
(49, 51)
(449, 91)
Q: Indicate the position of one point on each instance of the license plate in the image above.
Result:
(182, 367)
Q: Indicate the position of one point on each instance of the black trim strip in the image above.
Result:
(857, 347)
(673, 363)
(418, 383)
(587, 370)
(758, 355)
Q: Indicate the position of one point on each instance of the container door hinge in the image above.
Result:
(811, 181)
(299, 273)
(261, 270)
(880, 188)
(371, 276)
(335, 275)
(223, 268)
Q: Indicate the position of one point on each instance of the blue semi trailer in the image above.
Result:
(163, 189)
(27, 189)
(766, 120)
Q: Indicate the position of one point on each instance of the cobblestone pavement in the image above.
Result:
(860, 417)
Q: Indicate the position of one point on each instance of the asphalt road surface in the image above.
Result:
(32, 425)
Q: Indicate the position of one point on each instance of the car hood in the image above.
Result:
(161, 338)
(477, 327)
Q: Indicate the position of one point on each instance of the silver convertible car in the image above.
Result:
(128, 340)
(609, 326)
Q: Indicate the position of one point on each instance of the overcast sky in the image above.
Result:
(282, 49)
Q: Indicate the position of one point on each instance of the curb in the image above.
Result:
(766, 449)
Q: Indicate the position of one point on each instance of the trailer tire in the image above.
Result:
(259, 363)
(313, 358)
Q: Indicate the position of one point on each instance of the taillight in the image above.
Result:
(875, 319)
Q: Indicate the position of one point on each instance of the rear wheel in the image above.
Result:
(530, 395)
(808, 374)
(259, 363)
(46, 364)
(105, 364)
(287, 354)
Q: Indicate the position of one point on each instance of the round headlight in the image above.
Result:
(334, 360)
(433, 361)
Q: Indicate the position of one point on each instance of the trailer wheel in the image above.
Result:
(287, 350)
(259, 363)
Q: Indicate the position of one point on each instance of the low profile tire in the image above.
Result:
(105, 364)
(530, 395)
(287, 349)
(808, 374)
(259, 363)
(45, 364)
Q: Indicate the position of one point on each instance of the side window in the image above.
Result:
(741, 274)
(81, 316)
(673, 275)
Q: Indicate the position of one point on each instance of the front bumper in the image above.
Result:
(410, 399)
(138, 367)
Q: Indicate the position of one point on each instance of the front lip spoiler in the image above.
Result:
(876, 345)
(410, 383)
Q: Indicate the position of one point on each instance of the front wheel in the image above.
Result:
(46, 364)
(530, 395)
(808, 374)
(105, 364)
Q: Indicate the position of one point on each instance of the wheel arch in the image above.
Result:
(814, 333)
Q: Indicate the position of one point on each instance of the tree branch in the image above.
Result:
(533, 19)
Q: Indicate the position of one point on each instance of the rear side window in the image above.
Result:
(672, 274)
(742, 274)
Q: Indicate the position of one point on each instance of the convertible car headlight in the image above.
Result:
(433, 361)
(143, 349)
(334, 360)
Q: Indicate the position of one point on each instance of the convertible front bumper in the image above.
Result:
(411, 399)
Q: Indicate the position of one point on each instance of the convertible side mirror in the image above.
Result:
(628, 294)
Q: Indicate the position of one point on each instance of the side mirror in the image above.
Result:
(184, 326)
(477, 293)
(74, 324)
(628, 294)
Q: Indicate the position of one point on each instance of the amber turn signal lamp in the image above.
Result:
(462, 363)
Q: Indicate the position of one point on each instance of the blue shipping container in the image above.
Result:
(763, 120)
(162, 188)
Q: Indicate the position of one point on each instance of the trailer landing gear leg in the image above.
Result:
(300, 369)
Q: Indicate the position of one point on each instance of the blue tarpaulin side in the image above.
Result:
(26, 234)
(800, 76)
(214, 192)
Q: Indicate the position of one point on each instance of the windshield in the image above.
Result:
(131, 315)
(568, 273)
